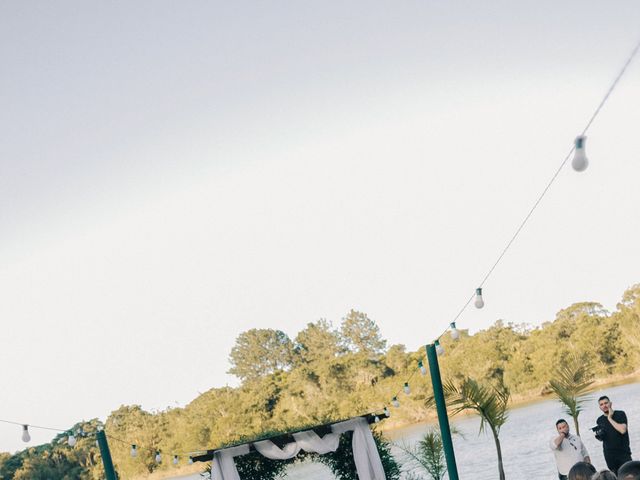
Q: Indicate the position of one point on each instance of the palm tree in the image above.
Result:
(572, 378)
(427, 455)
(488, 401)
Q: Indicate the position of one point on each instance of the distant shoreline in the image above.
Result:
(526, 399)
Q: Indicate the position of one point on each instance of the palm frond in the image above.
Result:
(488, 401)
(571, 380)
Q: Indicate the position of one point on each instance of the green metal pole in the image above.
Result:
(106, 456)
(441, 408)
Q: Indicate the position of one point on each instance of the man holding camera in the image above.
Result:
(612, 432)
(568, 449)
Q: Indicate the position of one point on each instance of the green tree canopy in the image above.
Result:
(317, 342)
(361, 334)
(260, 352)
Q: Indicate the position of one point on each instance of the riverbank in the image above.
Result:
(518, 401)
(523, 400)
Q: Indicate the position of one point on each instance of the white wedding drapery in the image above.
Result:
(365, 452)
(223, 466)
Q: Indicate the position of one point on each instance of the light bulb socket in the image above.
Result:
(25, 433)
(580, 142)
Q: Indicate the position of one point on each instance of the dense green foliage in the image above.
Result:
(327, 374)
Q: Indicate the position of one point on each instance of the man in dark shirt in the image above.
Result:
(614, 435)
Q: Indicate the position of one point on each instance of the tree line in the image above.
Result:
(325, 374)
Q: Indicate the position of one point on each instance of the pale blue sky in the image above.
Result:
(174, 173)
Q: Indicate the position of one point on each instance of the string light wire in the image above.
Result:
(522, 224)
(35, 426)
(551, 181)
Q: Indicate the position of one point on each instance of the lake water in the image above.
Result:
(524, 439)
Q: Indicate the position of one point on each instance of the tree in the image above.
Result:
(361, 334)
(260, 352)
(427, 455)
(571, 380)
(317, 342)
(490, 402)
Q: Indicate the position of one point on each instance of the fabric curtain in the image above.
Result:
(310, 441)
(365, 451)
(223, 467)
(270, 450)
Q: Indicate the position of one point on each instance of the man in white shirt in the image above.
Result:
(568, 449)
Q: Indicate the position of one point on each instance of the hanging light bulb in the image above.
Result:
(71, 440)
(439, 348)
(134, 451)
(376, 419)
(395, 402)
(190, 460)
(406, 388)
(387, 413)
(158, 457)
(479, 303)
(580, 162)
(25, 433)
(423, 369)
(175, 459)
(455, 334)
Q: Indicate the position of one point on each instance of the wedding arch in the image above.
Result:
(317, 440)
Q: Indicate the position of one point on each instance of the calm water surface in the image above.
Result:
(524, 439)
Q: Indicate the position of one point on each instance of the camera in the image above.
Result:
(598, 432)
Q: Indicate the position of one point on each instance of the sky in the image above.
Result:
(175, 173)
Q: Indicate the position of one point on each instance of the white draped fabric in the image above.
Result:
(365, 452)
(270, 450)
(223, 466)
(309, 441)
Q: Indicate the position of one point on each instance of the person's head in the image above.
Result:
(604, 475)
(629, 471)
(604, 403)
(562, 426)
(582, 471)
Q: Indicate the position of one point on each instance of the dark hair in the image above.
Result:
(581, 471)
(603, 397)
(604, 475)
(562, 420)
(630, 470)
